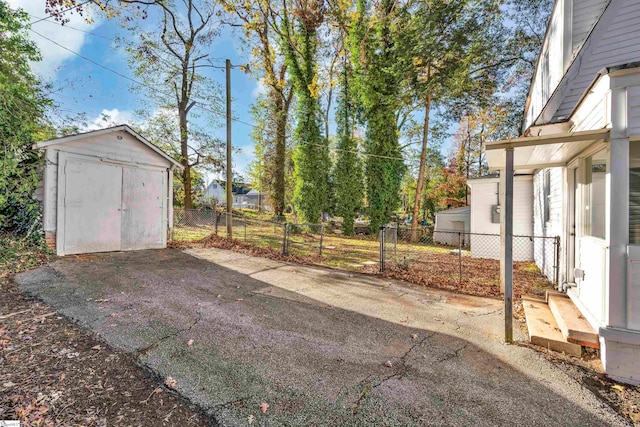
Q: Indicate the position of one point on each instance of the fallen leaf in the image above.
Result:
(170, 382)
(618, 387)
(190, 343)
(388, 364)
(250, 419)
(96, 347)
(264, 407)
(239, 299)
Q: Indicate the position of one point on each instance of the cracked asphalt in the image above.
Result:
(311, 342)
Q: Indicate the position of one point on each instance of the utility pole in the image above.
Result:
(229, 186)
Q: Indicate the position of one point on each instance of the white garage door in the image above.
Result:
(109, 207)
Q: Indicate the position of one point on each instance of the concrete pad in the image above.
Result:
(543, 329)
(313, 343)
(572, 324)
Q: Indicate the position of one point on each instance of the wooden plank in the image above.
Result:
(572, 324)
(544, 331)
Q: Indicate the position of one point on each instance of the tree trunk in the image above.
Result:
(282, 103)
(423, 163)
(184, 151)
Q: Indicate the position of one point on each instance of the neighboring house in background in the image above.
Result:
(581, 142)
(450, 223)
(215, 192)
(106, 190)
(485, 218)
(255, 200)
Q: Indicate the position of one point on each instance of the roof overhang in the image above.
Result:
(121, 128)
(536, 152)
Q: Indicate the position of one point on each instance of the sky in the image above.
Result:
(84, 87)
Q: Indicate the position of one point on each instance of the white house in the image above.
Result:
(485, 218)
(215, 191)
(581, 142)
(450, 223)
(106, 190)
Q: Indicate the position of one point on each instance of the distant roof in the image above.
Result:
(124, 128)
(237, 187)
(461, 210)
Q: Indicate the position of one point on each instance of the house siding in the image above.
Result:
(585, 16)
(544, 248)
(484, 195)
(617, 45)
(550, 67)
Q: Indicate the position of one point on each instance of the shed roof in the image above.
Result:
(463, 210)
(120, 128)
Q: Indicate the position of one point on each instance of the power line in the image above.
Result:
(62, 11)
(198, 103)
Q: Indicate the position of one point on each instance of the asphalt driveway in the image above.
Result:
(313, 343)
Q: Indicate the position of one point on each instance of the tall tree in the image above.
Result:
(451, 55)
(262, 25)
(22, 122)
(171, 61)
(374, 52)
(348, 175)
(311, 157)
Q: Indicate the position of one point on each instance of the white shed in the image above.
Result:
(485, 217)
(106, 190)
(450, 223)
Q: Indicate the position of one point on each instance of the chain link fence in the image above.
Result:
(460, 260)
(466, 259)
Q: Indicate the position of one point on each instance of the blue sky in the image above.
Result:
(95, 91)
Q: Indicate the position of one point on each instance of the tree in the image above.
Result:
(171, 61)
(265, 170)
(375, 54)
(22, 122)
(162, 129)
(261, 22)
(347, 175)
(450, 55)
(311, 157)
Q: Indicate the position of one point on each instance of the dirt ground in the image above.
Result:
(52, 373)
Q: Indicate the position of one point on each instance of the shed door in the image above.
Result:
(92, 202)
(142, 208)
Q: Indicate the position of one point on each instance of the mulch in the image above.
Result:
(53, 373)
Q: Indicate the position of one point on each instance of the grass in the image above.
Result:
(427, 264)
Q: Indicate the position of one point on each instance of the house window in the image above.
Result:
(634, 193)
(546, 194)
(595, 195)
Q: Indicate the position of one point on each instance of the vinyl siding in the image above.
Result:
(543, 248)
(593, 111)
(550, 67)
(484, 195)
(585, 15)
(617, 44)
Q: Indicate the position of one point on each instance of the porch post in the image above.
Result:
(506, 243)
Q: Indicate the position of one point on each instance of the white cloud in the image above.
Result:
(110, 118)
(53, 56)
(260, 89)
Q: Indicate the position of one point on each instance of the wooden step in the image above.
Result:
(572, 324)
(543, 329)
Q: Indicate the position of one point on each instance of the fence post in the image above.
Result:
(459, 258)
(382, 232)
(321, 237)
(556, 260)
(284, 239)
(245, 232)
